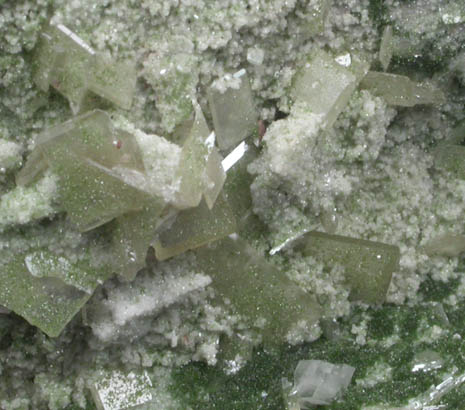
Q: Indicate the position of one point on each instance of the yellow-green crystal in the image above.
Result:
(368, 265)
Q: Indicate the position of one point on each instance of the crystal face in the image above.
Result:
(386, 47)
(318, 383)
(100, 169)
(73, 68)
(325, 83)
(400, 90)
(257, 290)
(39, 296)
(200, 171)
(195, 227)
(368, 266)
(450, 158)
(233, 111)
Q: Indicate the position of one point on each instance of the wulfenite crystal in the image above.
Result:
(233, 110)
(368, 266)
(325, 83)
(101, 173)
(195, 227)
(119, 390)
(132, 235)
(450, 158)
(200, 170)
(38, 289)
(256, 289)
(385, 48)
(400, 90)
(73, 68)
(449, 244)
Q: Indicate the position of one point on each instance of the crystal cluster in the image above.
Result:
(74, 69)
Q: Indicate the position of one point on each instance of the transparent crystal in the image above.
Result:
(44, 301)
(133, 233)
(386, 47)
(368, 266)
(448, 244)
(450, 158)
(200, 171)
(195, 227)
(400, 90)
(256, 289)
(64, 61)
(325, 85)
(427, 360)
(233, 111)
(80, 274)
(317, 382)
(89, 136)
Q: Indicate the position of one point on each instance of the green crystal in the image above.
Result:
(386, 47)
(113, 81)
(325, 83)
(44, 301)
(133, 233)
(368, 265)
(400, 90)
(89, 136)
(80, 274)
(100, 169)
(200, 170)
(256, 289)
(449, 244)
(315, 19)
(237, 191)
(117, 390)
(64, 61)
(195, 227)
(93, 195)
(451, 159)
(233, 111)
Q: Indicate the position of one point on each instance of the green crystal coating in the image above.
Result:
(93, 195)
(256, 289)
(46, 302)
(233, 111)
(325, 85)
(400, 90)
(133, 233)
(80, 274)
(450, 158)
(368, 265)
(195, 227)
